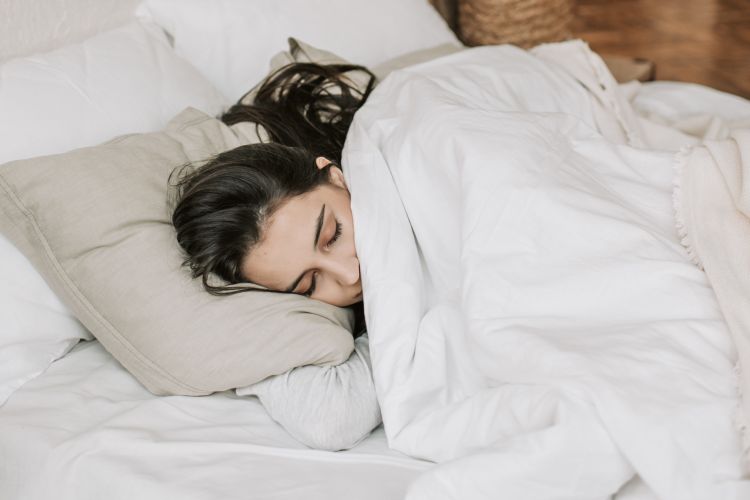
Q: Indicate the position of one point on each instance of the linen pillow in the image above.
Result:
(412, 58)
(230, 41)
(96, 224)
(121, 81)
(300, 51)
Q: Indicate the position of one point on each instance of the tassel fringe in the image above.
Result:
(739, 418)
(740, 421)
(680, 162)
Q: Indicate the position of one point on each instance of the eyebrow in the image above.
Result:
(318, 228)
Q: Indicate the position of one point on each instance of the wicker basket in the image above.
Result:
(521, 22)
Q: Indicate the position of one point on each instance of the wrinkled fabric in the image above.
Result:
(712, 201)
(535, 324)
(325, 407)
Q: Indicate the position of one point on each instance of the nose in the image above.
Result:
(345, 271)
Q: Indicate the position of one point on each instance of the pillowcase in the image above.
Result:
(230, 41)
(300, 51)
(125, 80)
(122, 81)
(35, 327)
(95, 222)
(412, 58)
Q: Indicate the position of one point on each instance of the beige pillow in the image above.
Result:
(96, 224)
(412, 58)
(300, 51)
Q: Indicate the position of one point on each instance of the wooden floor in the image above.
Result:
(702, 41)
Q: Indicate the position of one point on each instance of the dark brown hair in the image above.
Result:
(305, 110)
(306, 105)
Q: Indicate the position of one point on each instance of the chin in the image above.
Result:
(355, 299)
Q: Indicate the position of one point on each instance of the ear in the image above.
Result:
(321, 162)
(336, 177)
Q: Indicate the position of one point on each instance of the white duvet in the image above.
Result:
(535, 325)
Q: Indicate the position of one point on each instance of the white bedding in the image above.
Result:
(535, 324)
(86, 430)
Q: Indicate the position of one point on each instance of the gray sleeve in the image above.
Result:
(324, 407)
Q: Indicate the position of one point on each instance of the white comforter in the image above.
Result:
(535, 324)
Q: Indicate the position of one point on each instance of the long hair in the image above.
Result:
(306, 105)
(222, 206)
(305, 111)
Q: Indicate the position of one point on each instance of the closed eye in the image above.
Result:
(334, 238)
(336, 235)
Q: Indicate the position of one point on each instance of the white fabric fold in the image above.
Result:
(535, 324)
(712, 202)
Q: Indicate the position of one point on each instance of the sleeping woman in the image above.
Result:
(278, 214)
(586, 337)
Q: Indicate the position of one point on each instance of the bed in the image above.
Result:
(84, 428)
(87, 429)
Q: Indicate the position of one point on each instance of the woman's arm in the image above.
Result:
(325, 407)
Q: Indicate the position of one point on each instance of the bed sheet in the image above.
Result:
(87, 430)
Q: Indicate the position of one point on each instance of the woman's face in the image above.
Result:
(308, 246)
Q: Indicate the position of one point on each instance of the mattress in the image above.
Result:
(86, 429)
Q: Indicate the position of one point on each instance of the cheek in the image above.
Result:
(346, 248)
(348, 224)
(330, 293)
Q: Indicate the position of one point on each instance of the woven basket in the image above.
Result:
(521, 22)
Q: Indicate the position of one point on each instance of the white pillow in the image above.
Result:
(35, 327)
(231, 41)
(123, 81)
